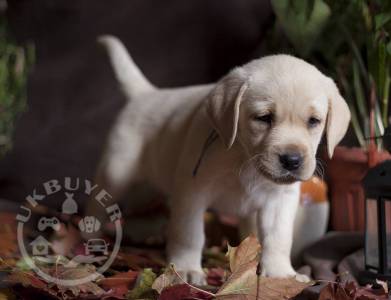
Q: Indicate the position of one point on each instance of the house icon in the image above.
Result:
(40, 246)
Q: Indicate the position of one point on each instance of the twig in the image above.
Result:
(188, 284)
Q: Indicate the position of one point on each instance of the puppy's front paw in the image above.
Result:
(278, 272)
(284, 271)
(277, 268)
(302, 278)
(194, 277)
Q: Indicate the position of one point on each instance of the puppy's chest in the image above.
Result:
(241, 198)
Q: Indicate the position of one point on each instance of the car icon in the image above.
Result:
(96, 246)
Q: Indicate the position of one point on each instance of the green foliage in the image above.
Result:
(349, 39)
(302, 21)
(15, 62)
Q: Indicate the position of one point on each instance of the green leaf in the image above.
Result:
(302, 21)
(358, 92)
(15, 63)
(310, 8)
(356, 126)
(143, 287)
(389, 48)
(385, 100)
(382, 19)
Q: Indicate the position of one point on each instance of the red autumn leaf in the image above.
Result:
(351, 291)
(183, 292)
(119, 284)
(31, 283)
(216, 276)
(27, 279)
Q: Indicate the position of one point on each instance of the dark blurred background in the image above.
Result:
(72, 95)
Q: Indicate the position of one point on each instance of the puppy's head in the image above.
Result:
(277, 109)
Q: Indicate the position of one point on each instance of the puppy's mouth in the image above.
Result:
(286, 178)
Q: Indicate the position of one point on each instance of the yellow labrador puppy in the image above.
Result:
(239, 146)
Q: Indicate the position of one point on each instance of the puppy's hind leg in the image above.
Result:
(118, 168)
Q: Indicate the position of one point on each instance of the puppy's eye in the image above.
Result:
(313, 122)
(268, 118)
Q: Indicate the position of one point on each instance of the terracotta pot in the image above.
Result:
(344, 172)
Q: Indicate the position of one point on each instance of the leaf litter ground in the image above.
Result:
(141, 274)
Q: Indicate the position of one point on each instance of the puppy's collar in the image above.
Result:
(208, 142)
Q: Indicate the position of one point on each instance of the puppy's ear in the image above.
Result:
(338, 119)
(223, 105)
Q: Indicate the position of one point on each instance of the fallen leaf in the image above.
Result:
(240, 282)
(143, 287)
(244, 282)
(119, 284)
(247, 251)
(79, 272)
(165, 280)
(216, 276)
(31, 280)
(183, 291)
(351, 291)
(277, 288)
(27, 279)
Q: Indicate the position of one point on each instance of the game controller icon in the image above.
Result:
(53, 223)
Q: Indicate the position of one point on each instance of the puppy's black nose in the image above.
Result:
(291, 161)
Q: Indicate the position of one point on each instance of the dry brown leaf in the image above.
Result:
(165, 280)
(277, 288)
(78, 272)
(244, 283)
(31, 280)
(247, 251)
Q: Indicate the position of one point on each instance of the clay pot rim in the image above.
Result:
(357, 154)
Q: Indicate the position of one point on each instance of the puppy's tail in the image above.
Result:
(131, 80)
